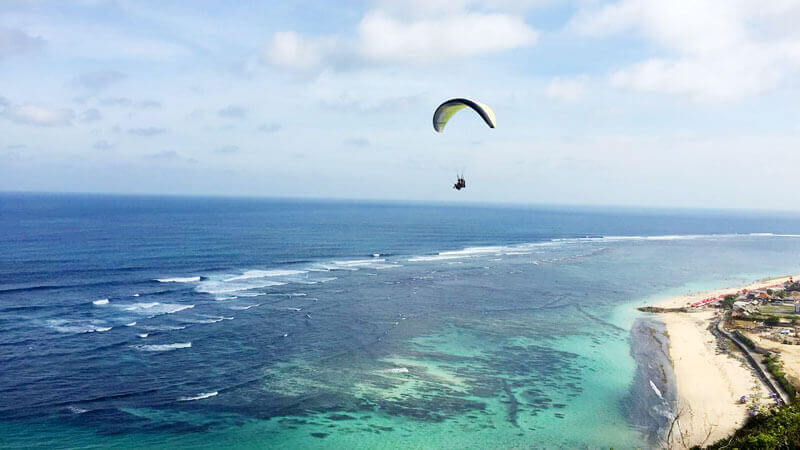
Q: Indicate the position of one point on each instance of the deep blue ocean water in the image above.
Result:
(177, 322)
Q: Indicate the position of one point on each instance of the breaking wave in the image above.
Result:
(154, 308)
(251, 274)
(178, 280)
(244, 308)
(198, 396)
(163, 347)
(65, 326)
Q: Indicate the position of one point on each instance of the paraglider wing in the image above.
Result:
(449, 108)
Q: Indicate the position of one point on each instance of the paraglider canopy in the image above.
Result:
(449, 108)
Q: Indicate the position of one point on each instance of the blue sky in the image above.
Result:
(689, 103)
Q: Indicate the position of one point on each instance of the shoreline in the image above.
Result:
(710, 378)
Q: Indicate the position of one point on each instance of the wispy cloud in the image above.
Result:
(39, 115)
(164, 155)
(147, 104)
(91, 115)
(232, 111)
(116, 101)
(227, 149)
(167, 156)
(270, 128)
(357, 142)
(99, 79)
(17, 41)
(292, 50)
(102, 145)
(148, 131)
(566, 89)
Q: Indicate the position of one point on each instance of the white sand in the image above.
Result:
(709, 383)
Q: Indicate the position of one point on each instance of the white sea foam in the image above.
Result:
(528, 248)
(291, 308)
(198, 396)
(102, 301)
(135, 295)
(251, 274)
(143, 335)
(152, 309)
(358, 262)
(227, 288)
(395, 370)
(130, 324)
(219, 299)
(163, 327)
(178, 280)
(164, 347)
(469, 252)
(76, 327)
(251, 294)
(655, 389)
(210, 319)
(375, 255)
(76, 410)
(245, 307)
(350, 264)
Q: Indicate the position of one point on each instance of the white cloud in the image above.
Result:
(384, 38)
(434, 8)
(566, 89)
(40, 115)
(710, 49)
(292, 50)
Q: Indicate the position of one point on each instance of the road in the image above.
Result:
(755, 360)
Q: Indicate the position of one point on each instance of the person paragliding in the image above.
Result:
(448, 109)
(460, 183)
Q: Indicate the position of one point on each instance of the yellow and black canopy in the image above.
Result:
(449, 108)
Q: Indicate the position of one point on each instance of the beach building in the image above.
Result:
(745, 308)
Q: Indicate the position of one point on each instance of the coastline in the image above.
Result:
(710, 378)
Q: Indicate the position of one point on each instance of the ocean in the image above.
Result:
(155, 322)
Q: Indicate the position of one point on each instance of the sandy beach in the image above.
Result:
(709, 381)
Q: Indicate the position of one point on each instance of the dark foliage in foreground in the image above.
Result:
(779, 429)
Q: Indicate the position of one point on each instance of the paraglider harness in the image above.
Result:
(460, 183)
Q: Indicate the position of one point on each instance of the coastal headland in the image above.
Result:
(718, 387)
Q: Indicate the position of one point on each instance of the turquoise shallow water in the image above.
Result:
(205, 329)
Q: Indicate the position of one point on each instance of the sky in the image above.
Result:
(686, 103)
